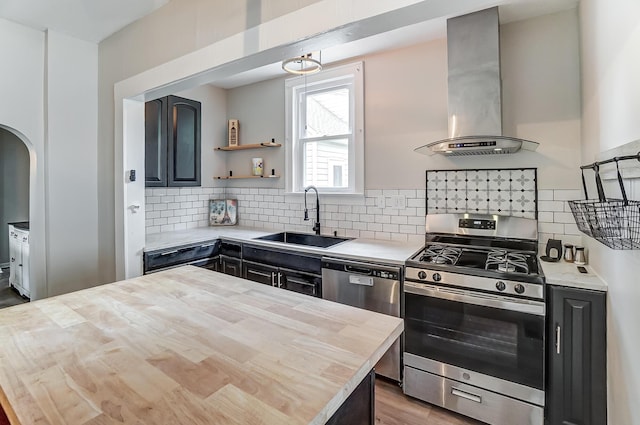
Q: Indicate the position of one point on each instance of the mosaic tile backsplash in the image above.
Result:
(496, 191)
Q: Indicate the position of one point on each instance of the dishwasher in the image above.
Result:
(373, 287)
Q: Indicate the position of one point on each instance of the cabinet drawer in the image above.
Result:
(231, 249)
(161, 259)
(304, 283)
(278, 258)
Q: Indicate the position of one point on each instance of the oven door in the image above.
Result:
(496, 336)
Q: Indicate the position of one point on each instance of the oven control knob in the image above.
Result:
(500, 286)
(422, 275)
(519, 288)
(436, 277)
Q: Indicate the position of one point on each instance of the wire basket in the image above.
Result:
(614, 222)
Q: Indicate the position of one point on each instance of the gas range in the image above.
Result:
(476, 253)
(474, 316)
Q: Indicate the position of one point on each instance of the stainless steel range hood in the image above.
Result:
(474, 88)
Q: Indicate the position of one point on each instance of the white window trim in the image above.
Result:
(357, 70)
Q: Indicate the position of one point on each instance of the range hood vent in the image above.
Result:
(475, 90)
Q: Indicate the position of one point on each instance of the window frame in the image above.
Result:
(349, 75)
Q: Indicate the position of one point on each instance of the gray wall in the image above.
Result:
(174, 30)
(14, 187)
(610, 42)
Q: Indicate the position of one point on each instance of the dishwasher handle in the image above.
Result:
(357, 269)
(362, 268)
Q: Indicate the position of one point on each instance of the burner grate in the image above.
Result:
(440, 254)
(507, 261)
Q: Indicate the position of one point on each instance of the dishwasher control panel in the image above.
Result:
(363, 269)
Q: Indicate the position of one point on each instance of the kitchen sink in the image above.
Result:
(304, 239)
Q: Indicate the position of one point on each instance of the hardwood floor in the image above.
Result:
(8, 296)
(394, 408)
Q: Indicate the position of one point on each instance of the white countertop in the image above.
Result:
(560, 273)
(567, 274)
(358, 249)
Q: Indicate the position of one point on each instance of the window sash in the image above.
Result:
(346, 76)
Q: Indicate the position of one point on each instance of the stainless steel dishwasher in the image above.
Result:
(373, 287)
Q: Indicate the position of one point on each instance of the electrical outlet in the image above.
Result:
(397, 201)
(380, 201)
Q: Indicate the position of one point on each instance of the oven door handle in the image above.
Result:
(486, 300)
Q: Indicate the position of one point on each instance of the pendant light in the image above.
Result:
(303, 65)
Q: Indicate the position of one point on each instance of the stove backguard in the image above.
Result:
(504, 192)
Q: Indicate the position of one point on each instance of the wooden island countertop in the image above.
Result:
(185, 346)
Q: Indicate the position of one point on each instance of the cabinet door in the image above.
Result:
(24, 249)
(230, 265)
(304, 283)
(183, 129)
(14, 251)
(260, 273)
(155, 137)
(576, 394)
(212, 263)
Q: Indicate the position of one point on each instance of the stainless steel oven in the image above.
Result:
(475, 326)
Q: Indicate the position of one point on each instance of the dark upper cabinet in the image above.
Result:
(172, 142)
(576, 390)
(155, 152)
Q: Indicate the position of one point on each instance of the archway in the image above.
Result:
(17, 199)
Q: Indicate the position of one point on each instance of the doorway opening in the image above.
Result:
(14, 220)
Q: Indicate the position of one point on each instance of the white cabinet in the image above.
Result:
(19, 260)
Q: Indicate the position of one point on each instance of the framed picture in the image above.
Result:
(223, 212)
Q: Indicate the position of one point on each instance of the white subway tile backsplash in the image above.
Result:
(374, 227)
(555, 206)
(271, 209)
(383, 219)
(563, 217)
(551, 227)
(398, 237)
(391, 228)
(399, 219)
(545, 195)
(567, 195)
(545, 216)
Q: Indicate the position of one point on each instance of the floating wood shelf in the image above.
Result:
(254, 146)
(246, 177)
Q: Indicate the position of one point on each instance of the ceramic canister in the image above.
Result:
(256, 166)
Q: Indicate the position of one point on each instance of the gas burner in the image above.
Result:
(507, 262)
(440, 254)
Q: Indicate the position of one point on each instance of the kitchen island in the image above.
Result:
(185, 346)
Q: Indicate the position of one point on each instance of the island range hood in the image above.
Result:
(475, 90)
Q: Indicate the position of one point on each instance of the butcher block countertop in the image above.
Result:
(185, 346)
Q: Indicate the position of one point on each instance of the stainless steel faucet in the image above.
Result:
(316, 225)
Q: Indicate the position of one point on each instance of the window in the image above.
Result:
(325, 131)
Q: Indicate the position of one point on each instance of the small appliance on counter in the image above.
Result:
(569, 255)
(580, 258)
(553, 251)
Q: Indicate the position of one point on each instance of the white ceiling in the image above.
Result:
(90, 20)
(94, 20)
(431, 29)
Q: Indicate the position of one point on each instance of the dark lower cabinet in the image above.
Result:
(576, 372)
(283, 269)
(231, 265)
(172, 142)
(204, 254)
(291, 280)
(359, 408)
